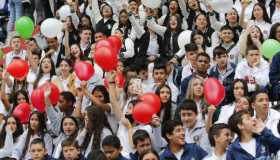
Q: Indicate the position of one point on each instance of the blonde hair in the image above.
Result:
(190, 89)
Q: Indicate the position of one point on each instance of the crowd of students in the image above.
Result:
(93, 119)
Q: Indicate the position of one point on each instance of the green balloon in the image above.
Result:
(270, 47)
(1, 54)
(25, 27)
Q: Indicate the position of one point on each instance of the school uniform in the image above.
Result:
(190, 151)
(266, 145)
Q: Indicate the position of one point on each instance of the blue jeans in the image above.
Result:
(15, 13)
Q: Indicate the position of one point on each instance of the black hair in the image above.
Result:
(203, 55)
(42, 129)
(97, 121)
(265, 15)
(256, 93)
(68, 96)
(159, 64)
(70, 142)
(245, 86)
(140, 135)
(236, 119)
(37, 52)
(16, 134)
(74, 120)
(69, 62)
(273, 31)
(168, 128)
(227, 27)
(166, 106)
(97, 155)
(24, 93)
(196, 32)
(215, 130)
(38, 141)
(250, 48)
(111, 140)
(191, 47)
(40, 74)
(104, 91)
(188, 104)
(141, 157)
(218, 51)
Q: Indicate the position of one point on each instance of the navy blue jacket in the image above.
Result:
(134, 156)
(121, 158)
(274, 72)
(229, 77)
(267, 146)
(191, 151)
(184, 87)
(47, 158)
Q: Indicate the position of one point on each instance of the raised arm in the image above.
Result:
(152, 25)
(95, 11)
(183, 7)
(242, 22)
(136, 26)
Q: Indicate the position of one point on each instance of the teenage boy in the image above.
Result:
(191, 52)
(254, 141)
(160, 77)
(228, 42)
(142, 143)
(112, 148)
(38, 150)
(178, 149)
(219, 137)
(16, 51)
(223, 70)
(260, 104)
(195, 131)
(71, 150)
(85, 40)
(254, 69)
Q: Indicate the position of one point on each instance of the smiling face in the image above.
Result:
(178, 136)
(201, 22)
(69, 126)
(12, 124)
(173, 7)
(173, 22)
(232, 16)
(46, 65)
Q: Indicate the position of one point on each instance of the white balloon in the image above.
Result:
(222, 6)
(151, 3)
(64, 12)
(51, 27)
(184, 38)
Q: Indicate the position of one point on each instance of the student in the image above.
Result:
(191, 52)
(16, 51)
(224, 70)
(195, 131)
(38, 150)
(71, 150)
(149, 155)
(202, 66)
(178, 149)
(254, 69)
(220, 137)
(142, 143)
(254, 141)
(112, 148)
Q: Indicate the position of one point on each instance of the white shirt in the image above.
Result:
(179, 154)
(213, 156)
(10, 56)
(276, 16)
(264, 26)
(250, 147)
(225, 114)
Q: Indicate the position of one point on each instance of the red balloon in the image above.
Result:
(54, 96)
(153, 100)
(18, 69)
(116, 42)
(83, 70)
(106, 58)
(120, 80)
(143, 112)
(214, 91)
(22, 112)
(38, 99)
(103, 43)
